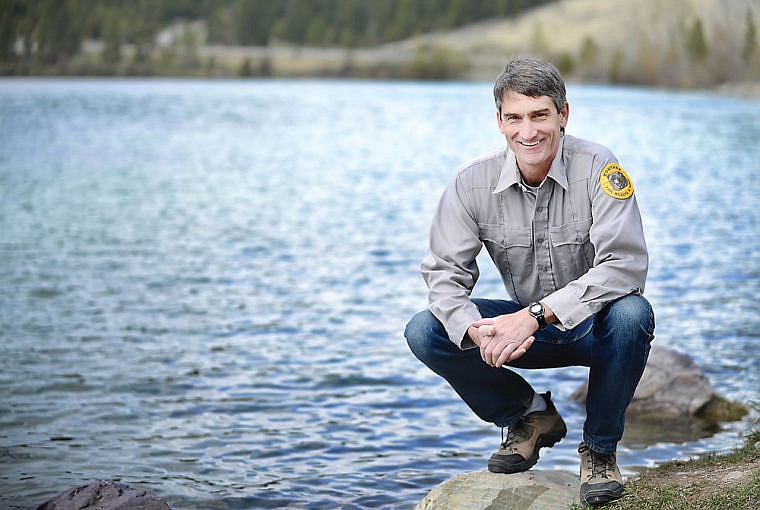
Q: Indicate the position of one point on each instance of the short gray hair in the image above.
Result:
(533, 78)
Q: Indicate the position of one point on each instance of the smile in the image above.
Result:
(530, 144)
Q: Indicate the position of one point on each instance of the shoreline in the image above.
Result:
(707, 481)
(737, 90)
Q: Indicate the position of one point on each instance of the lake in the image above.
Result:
(204, 284)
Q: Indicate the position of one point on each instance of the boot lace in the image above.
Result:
(601, 464)
(517, 433)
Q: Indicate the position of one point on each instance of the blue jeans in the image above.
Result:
(613, 343)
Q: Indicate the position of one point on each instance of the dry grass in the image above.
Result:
(711, 482)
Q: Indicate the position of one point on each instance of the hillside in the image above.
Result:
(646, 41)
(672, 43)
(675, 43)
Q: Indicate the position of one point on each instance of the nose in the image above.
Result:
(527, 130)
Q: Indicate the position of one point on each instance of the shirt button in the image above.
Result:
(540, 240)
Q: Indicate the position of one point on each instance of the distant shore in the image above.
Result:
(400, 61)
(698, 45)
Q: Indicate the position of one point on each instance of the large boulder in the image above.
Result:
(480, 490)
(105, 495)
(673, 386)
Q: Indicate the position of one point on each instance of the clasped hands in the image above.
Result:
(504, 338)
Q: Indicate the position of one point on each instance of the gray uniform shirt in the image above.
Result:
(570, 243)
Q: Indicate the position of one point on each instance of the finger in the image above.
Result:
(521, 349)
(485, 343)
(482, 322)
(486, 330)
(517, 353)
(505, 353)
(492, 350)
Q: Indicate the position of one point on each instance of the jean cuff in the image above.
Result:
(597, 447)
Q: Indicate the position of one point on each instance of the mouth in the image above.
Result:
(529, 144)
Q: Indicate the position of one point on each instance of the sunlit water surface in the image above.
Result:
(203, 285)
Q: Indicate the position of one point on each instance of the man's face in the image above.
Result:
(531, 126)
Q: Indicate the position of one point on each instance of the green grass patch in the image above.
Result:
(698, 484)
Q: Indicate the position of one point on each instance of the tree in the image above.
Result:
(112, 37)
(57, 31)
(696, 44)
(255, 20)
(589, 51)
(750, 39)
(145, 24)
(11, 14)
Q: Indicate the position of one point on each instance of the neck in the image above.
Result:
(533, 176)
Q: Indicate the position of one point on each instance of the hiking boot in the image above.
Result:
(600, 477)
(534, 431)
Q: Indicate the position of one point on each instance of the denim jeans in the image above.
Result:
(613, 343)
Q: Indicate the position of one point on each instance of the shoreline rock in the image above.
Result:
(481, 490)
(673, 386)
(105, 495)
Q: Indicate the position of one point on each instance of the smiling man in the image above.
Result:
(559, 219)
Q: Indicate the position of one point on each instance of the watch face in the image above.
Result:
(535, 308)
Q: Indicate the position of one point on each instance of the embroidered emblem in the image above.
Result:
(615, 182)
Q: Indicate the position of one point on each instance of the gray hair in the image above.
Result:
(533, 78)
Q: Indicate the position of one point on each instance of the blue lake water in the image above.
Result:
(204, 284)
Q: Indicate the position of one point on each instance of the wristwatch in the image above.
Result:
(536, 310)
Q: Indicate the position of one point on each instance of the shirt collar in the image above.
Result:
(510, 174)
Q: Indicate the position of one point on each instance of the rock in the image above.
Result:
(105, 495)
(480, 490)
(673, 386)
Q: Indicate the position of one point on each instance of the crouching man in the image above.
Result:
(560, 221)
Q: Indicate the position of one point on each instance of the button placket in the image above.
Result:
(541, 239)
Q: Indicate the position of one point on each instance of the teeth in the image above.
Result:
(529, 144)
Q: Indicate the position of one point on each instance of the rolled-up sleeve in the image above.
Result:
(450, 268)
(620, 261)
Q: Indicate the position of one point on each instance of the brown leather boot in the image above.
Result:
(533, 432)
(601, 481)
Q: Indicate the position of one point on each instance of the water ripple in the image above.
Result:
(203, 285)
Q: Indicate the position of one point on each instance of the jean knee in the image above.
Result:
(420, 334)
(633, 313)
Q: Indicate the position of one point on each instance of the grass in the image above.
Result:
(729, 481)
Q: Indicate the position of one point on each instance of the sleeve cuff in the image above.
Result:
(457, 325)
(569, 310)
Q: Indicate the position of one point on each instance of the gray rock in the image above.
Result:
(480, 490)
(105, 495)
(672, 386)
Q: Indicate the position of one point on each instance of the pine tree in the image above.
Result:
(696, 44)
(750, 39)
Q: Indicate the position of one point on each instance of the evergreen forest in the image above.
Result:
(50, 31)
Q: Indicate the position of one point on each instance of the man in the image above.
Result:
(559, 219)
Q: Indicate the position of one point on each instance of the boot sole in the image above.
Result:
(499, 465)
(601, 496)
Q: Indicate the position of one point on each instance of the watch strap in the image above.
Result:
(536, 310)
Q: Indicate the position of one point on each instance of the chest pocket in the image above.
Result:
(511, 249)
(572, 253)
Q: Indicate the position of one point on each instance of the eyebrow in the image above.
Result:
(534, 112)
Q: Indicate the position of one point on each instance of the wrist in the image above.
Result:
(538, 312)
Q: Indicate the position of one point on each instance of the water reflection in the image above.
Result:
(641, 433)
(203, 285)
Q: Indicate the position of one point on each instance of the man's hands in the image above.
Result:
(504, 338)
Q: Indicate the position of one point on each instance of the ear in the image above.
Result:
(564, 114)
(498, 121)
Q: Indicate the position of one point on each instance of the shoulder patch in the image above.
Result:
(615, 182)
